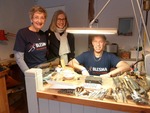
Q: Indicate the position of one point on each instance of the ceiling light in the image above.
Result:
(90, 29)
(2, 35)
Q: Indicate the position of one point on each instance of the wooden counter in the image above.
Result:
(41, 99)
(4, 106)
(106, 104)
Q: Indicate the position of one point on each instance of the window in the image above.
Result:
(125, 26)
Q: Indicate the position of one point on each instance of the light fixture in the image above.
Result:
(86, 30)
(2, 35)
(90, 29)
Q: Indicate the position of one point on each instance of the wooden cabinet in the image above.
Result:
(4, 106)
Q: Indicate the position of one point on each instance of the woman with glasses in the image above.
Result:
(60, 43)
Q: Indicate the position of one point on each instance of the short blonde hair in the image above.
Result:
(53, 23)
(37, 9)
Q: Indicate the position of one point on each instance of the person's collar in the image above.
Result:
(98, 55)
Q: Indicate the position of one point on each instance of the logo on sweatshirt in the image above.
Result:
(37, 46)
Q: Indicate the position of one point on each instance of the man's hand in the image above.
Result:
(85, 72)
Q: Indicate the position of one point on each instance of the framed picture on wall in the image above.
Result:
(125, 26)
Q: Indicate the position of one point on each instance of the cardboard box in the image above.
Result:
(134, 54)
(125, 55)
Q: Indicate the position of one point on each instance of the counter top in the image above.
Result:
(106, 104)
(7, 62)
(130, 106)
(45, 99)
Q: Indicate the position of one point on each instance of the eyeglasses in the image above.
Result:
(61, 19)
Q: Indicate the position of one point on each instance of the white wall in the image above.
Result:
(109, 18)
(13, 16)
(50, 11)
(77, 11)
